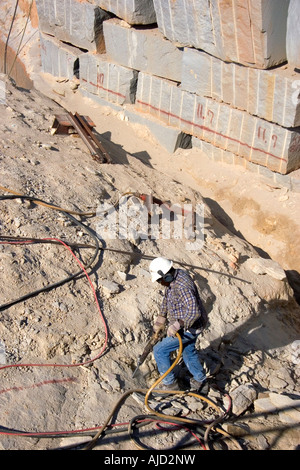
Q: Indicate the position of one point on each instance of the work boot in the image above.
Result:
(199, 387)
(173, 386)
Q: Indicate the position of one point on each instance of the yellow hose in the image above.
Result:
(179, 392)
(41, 203)
(91, 444)
(176, 418)
(57, 208)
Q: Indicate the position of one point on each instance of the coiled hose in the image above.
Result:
(154, 414)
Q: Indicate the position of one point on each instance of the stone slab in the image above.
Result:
(142, 49)
(293, 34)
(110, 81)
(168, 137)
(132, 11)
(249, 32)
(77, 22)
(58, 59)
(269, 94)
(230, 129)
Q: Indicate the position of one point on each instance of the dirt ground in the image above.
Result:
(70, 351)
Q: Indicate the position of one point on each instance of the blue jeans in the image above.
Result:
(163, 349)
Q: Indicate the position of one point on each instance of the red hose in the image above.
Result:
(98, 307)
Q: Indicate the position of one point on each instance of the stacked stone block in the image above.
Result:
(293, 34)
(107, 80)
(269, 94)
(225, 127)
(139, 12)
(142, 49)
(205, 73)
(58, 59)
(77, 22)
(248, 32)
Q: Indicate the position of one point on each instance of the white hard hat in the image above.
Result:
(158, 267)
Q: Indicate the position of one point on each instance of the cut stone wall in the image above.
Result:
(132, 11)
(223, 74)
(229, 128)
(268, 94)
(142, 49)
(108, 80)
(58, 58)
(77, 22)
(248, 32)
(293, 34)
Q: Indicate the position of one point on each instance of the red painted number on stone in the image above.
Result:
(100, 78)
(200, 114)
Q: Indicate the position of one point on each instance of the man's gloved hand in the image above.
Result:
(159, 323)
(173, 328)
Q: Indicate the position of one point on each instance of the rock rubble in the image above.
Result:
(250, 347)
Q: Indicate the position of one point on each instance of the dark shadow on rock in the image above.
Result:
(118, 154)
(219, 213)
(222, 217)
(293, 278)
(271, 328)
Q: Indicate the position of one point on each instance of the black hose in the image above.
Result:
(134, 424)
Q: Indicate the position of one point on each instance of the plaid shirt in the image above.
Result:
(181, 300)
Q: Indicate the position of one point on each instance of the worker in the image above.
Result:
(181, 312)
